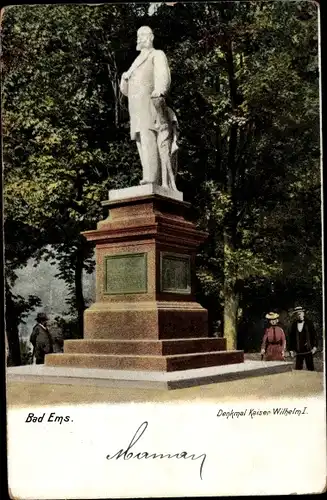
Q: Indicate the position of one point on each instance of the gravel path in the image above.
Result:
(318, 359)
(281, 385)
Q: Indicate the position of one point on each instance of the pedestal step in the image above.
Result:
(146, 362)
(145, 347)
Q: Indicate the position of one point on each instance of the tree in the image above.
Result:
(22, 242)
(255, 93)
(64, 143)
(17, 308)
(248, 108)
(26, 353)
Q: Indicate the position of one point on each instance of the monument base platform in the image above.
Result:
(144, 379)
(153, 355)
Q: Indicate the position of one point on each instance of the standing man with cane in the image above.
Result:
(303, 340)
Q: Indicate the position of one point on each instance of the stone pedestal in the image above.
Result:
(145, 316)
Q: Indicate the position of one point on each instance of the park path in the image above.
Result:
(283, 385)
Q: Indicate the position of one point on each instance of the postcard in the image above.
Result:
(164, 292)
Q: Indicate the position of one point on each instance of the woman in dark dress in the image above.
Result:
(274, 340)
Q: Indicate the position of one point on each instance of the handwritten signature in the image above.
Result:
(127, 454)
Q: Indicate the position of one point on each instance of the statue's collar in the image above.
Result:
(141, 58)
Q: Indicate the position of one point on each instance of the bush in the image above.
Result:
(26, 352)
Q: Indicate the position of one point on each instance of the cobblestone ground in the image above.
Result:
(282, 385)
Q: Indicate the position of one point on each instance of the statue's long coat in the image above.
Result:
(150, 71)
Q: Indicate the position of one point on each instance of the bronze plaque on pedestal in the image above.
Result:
(125, 273)
(175, 273)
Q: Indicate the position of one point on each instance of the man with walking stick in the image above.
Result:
(303, 340)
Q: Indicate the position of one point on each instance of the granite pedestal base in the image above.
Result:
(168, 356)
(146, 316)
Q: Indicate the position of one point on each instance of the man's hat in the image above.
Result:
(41, 317)
(272, 315)
(298, 309)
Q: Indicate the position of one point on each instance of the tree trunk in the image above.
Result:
(114, 80)
(231, 300)
(12, 332)
(231, 296)
(80, 303)
(117, 102)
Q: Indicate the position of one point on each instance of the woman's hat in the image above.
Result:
(272, 315)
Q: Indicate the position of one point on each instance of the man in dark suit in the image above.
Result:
(41, 339)
(302, 340)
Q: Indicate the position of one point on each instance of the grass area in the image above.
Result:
(281, 385)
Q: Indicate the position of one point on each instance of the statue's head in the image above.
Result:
(144, 38)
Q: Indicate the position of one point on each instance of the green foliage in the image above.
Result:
(245, 91)
(64, 144)
(257, 145)
(26, 353)
(17, 309)
(69, 327)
